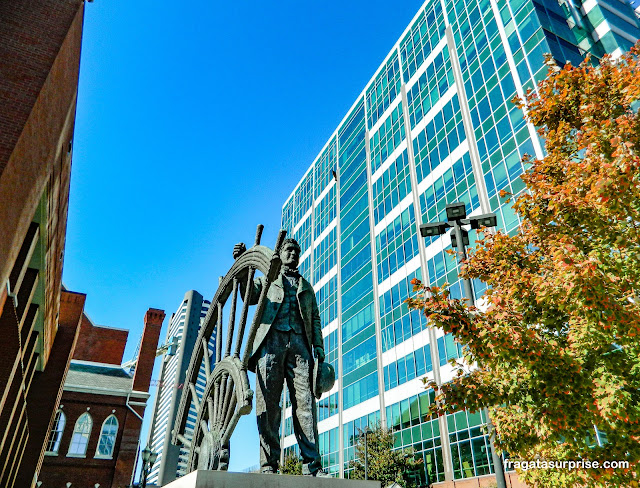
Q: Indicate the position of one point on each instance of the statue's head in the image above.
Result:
(290, 253)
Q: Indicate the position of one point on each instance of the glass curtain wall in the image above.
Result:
(434, 125)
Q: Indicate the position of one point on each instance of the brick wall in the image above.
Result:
(100, 344)
(45, 392)
(87, 471)
(128, 409)
(147, 355)
(39, 65)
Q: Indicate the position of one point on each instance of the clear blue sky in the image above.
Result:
(195, 121)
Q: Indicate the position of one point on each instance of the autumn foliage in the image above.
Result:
(558, 348)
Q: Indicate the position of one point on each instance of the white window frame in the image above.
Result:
(56, 430)
(103, 434)
(82, 434)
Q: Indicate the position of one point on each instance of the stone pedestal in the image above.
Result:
(225, 479)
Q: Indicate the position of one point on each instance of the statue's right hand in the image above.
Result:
(238, 250)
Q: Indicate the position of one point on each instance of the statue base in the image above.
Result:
(226, 479)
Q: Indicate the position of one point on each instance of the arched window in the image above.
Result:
(80, 438)
(107, 440)
(56, 432)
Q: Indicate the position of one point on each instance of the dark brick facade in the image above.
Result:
(39, 65)
(100, 344)
(127, 404)
(86, 472)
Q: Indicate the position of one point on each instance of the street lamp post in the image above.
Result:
(366, 455)
(456, 218)
(148, 459)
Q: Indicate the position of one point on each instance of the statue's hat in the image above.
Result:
(324, 377)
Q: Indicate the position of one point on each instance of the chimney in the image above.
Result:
(147, 355)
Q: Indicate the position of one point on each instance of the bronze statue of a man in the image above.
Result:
(288, 337)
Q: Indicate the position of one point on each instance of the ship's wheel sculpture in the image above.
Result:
(227, 395)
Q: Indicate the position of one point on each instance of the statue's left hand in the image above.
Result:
(319, 350)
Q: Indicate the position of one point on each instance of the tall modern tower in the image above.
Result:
(434, 125)
(181, 338)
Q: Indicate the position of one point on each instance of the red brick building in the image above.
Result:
(39, 63)
(96, 430)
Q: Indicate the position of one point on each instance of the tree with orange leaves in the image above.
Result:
(557, 349)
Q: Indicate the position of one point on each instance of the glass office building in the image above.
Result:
(182, 334)
(434, 125)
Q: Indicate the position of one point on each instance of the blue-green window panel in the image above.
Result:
(325, 212)
(430, 87)
(359, 260)
(391, 187)
(360, 322)
(327, 301)
(304, 268)
(420, 41)
(352, 431)
(303, 235)
(397, 244)
(477, 9)
(331, 348)
(414, 365)
(479, 17)
(527, 22)
(627, 24)
(387, 138)
(384, 89)
(325, 165)
(442, 267)
(448, 349)
(359, 356)
(496, 133)
(351, 125)
(325, 256)
(288, 426)
(287, 215)
(357, 336)
(494, 103)
(329, 446)
(303, 197)
(440, 137)
(357, 272)
(413, 427)
(397, 322)
(394, 297)
(611, 41)
(351, 140)
(470, 452)
(355, 428)
(502, 170)
(327, 407)
(400, 326)
(554, 19)
(353, 231)
(354, 311)
(360, 289)
(349, 190)
(457, 184)
(353, 244)
(360, 391)
(470, 59)
(353, 167)
(473, 20)
(354, 210)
